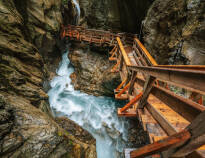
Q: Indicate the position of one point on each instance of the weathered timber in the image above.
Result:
(185, 107)
(146, 91)
(168, 128)
(194, 79)
(197, 130)
(162, 145)
(132, 82)
(145, 51)
(124, 54)
(133, 101)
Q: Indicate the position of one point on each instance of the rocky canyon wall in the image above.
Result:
(169, 24)
(121, 15)
(28, 33)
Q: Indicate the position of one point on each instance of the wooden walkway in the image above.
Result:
(173, 122)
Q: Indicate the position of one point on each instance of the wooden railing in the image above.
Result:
(99, 37)
(191, 78)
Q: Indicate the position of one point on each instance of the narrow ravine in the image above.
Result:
(95, 114)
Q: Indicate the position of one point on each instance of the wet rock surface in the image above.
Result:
(169, 23)
(26, 131)
(75, 130)
(120, 15)
(27, 46)
(93, 72)
(137, 136)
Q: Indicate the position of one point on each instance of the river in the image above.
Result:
(95, 114)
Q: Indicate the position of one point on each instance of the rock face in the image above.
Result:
(169, 23)
(124, 15)
(26, 131)
(27, 29)
(93, 72)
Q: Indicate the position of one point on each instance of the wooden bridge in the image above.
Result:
(174, 122)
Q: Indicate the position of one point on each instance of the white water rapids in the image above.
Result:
(95, 114)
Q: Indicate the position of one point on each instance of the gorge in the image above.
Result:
(56, 96)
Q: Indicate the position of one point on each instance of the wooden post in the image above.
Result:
(121, 62)
(147, 89)
(134, 73)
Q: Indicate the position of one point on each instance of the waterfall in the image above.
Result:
(95, 114)
(78, 11)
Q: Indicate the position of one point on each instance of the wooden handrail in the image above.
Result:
(145, 51)
(124, 54)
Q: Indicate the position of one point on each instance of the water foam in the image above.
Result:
(95, 114)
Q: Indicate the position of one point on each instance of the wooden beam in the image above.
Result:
(123, 90)
(185, 107)
(145, 51)
(115, 67)
(132, 82)
(141, 57)
(124, 54)
(130, 113)
(133, 101)
(162, 145)
(121, 84)
(146, 91)
(121, 62)
(197, 130)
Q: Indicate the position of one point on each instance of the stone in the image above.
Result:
(169, 23)
(93, 72)
(28, 30)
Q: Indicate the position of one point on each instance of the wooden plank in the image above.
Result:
(186, 108)
(168, 128)
(197, 130)
(121, 97)
(130, 113)
(146, 91)
(162, 145)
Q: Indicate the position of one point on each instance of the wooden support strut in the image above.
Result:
(132, 82)
(121, 84)
(113, 52)
(123, 90)
(162, 145)
(147, 89)
(133, 101)
(115, 67)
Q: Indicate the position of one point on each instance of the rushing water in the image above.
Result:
(78, 11)
(95, 114)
